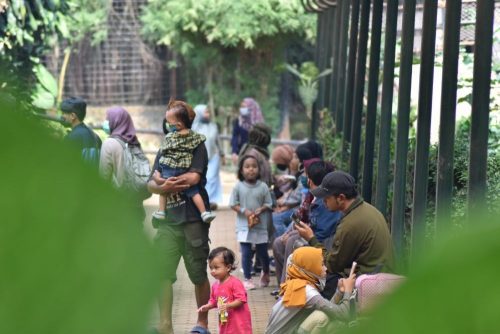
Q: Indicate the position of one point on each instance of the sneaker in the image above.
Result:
(248, 284)
(264, 280)
(159, 215)
(275, 293)
(207, 216)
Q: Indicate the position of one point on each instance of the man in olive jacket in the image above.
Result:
(362, 233)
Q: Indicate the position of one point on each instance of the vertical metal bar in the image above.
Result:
(321, 40)
(404, 99)
(384, 151)
(351, 66)
(421, 174)
(330, 33)
(339, 103)
(371, 107)
(451, 50)
(318, 60)
(485, 10)
(359, 89)
(335, 56)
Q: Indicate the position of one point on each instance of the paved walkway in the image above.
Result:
(222, 233)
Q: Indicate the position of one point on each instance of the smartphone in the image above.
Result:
(295, 219)
(353, 268)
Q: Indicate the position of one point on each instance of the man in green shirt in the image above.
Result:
(362, 234)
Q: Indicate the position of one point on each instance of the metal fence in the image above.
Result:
(123, 68)
(349, 40)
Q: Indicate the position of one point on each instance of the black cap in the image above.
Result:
(335, 183)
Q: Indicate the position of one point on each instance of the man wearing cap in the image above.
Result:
(81, 136)
(362, 234)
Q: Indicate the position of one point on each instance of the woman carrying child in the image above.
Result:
(228, 294)
(177, 154)
(306, 274)
(251, 200)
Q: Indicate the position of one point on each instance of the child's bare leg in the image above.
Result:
(206, 215)
(160, 214)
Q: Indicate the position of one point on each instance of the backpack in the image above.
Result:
(91, 155)
(136, 169)
(371, 287)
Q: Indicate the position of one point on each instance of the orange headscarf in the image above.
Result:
(305, 268)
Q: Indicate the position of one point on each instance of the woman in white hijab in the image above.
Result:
(202, 124)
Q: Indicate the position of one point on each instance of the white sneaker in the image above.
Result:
(159, 215)
(248, 284)
(207, 216)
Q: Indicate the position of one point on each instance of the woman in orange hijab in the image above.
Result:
(300, 293)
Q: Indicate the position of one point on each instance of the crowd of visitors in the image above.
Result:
(301, 207)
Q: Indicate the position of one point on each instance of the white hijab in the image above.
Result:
(209, 130)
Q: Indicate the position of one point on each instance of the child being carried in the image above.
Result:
(177, 153)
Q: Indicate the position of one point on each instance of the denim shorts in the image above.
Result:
(167, 172)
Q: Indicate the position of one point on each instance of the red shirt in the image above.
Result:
(239, 320)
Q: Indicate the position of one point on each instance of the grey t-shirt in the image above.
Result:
(251, 197)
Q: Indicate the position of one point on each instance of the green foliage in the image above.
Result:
(439, 295)
(330, 140)
(230, 49)
(87, 18)
(45, 92)
(74, 258)
(28, 29)
(186, 24)
(308, 76)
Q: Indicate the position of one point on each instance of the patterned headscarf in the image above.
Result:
(305, 268)
(254, 115)
(121, 125)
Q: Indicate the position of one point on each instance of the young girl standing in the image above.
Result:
(228, 294)
(252, 201)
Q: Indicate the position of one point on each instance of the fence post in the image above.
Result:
(371, 107)
(359, 89)
(451, 51)
(404, 100)
(353, 43)
(384, 151)
(342, 62)
(421, 170)
(485, 10)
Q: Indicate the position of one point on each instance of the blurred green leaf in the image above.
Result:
(42, 98)
(74, 257)
(46, 79)
(451, 290)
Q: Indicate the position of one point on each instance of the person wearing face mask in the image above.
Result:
(300, 296)
(203, 125)
(81, 136)
(286, 204)
(313, 212)
(249, 114)
(121, 130)
(284, 178)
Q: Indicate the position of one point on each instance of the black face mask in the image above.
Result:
(205, 120)
(281, 167)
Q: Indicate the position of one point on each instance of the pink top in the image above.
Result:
(239, 320)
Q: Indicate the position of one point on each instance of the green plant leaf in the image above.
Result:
(74, 257)
(43, 99)
(46, 79)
